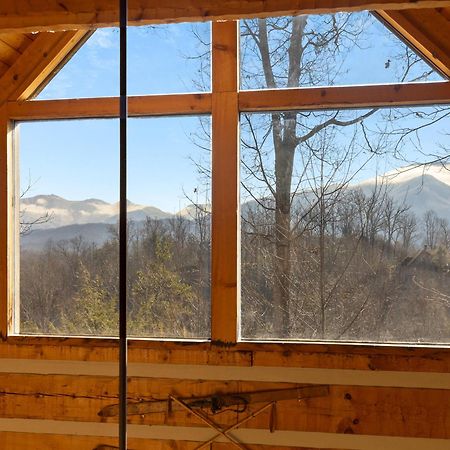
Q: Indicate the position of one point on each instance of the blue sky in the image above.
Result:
(79, 159)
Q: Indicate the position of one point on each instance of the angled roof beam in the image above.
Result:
(41, 15)
(428, 31)
(36, 64)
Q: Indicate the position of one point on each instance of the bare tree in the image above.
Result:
(295, 51)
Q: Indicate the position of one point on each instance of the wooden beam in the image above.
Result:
(56, 15)
(324, 356)
(225, 265)
(36, 64)
(407, 94)
(337, 97)
(84, 108)
(428, 31)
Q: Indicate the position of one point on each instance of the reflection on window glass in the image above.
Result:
(68, 218)
(323, 50)
(68, 213)
(161, 59)
(346, 225)
(169, 242)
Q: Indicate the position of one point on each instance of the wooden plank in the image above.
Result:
(3, 68)
(8, 240)
(428, 31)
(36, 64)
(15, 441)
(138, 106)
(337, 97)
(225, 264)
(401, 412)
(339, 377)
(17, 41)
(8, 54)
(75, 14)
(321, 356)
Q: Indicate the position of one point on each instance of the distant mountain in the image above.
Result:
(96, 233)
(90, 219)
(422, 188)
(64, 212)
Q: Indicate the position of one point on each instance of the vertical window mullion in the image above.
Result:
(225, 303)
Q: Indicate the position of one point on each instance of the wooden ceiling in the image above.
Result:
(28, 61)
(12, 45)
(33, 57)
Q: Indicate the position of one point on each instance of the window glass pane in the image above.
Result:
(68, 218)
(323, 50)
(162, 59)
(93, 71)
(169, 243)
(171, 58)
(345, 225)
(68, 211)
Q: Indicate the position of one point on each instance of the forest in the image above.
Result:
(368, 271)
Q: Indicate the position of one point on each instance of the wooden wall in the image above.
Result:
(50, 395)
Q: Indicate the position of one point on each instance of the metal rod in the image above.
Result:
(123, 357)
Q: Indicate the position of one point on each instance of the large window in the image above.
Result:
(68, 217)
(275, 196)
(345, 225)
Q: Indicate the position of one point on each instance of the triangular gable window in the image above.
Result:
(333, 49)
(161, 59)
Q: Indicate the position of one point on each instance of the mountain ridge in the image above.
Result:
(421, 188)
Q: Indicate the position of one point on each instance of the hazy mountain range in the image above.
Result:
(423, 188)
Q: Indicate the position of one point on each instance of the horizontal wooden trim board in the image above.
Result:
(336, 97)
(280, 438)
(54, 15)
(148, 105)
(320, 356)
(255, 373)
(265, 100)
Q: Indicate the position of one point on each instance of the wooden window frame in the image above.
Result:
(224, 103)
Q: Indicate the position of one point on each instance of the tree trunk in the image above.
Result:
(284, 161)
(284, 127)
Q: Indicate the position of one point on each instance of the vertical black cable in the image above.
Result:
(123, 357)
